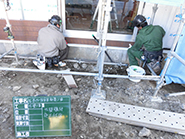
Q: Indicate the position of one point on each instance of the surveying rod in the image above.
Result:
(105, 51)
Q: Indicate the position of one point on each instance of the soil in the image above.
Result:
(85, 126)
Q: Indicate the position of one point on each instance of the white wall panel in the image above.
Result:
(167, 17)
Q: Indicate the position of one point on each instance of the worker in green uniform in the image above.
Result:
(148, 44)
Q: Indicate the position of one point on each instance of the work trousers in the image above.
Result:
(63, 53)
(133, 54)
(54, 60)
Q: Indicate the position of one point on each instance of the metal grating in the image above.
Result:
(140, 116)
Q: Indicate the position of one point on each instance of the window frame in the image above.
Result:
(88, 34)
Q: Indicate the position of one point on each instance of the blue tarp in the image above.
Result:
(165, 2)
(176, 70)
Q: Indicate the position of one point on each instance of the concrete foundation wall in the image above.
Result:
(118, 55)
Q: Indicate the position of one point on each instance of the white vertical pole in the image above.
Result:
(104, 19)
(62, 2)
(8, 25)
(160, 83)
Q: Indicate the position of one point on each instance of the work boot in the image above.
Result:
(156, 66)
(61, 64)
(39, 62)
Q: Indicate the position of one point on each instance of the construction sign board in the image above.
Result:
(42, 116)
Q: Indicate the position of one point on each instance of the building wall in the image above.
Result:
(26, 33)
(23, 30)
(81, 43)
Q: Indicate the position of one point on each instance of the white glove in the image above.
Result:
(130, 45)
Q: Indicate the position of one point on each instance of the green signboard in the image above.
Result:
(42, 116)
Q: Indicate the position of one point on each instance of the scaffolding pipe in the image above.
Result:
(6, 53)
(145, 77)
(170, 56)
(9, 25)
(49, 71)
(178, 57)
(91, 61)
(153, 13)
(72, 60)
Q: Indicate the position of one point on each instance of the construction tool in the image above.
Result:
(7, 30)
(105, 51)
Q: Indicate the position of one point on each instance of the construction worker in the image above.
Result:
(148, 44)
(52, 47)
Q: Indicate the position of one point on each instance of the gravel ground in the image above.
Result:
(85, 126)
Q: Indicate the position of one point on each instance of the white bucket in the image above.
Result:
(135, 70)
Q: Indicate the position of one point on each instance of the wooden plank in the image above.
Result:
(139, 116)
(70, 80)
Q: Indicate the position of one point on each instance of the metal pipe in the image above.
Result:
(161, 81)
(143, 8)
(49, 71)
(153, 14)
(22, 11)
(105, 19)
(72, 60)
(155, 78)
(92, 61)
(105, 50)
(153, 73)
(23, 57)
(178, 57)
(6, 16)
(145, 77)
(15, 50)
(6, 53)
(8, 25)
(175, 94)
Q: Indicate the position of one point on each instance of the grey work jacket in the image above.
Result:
(50, 40)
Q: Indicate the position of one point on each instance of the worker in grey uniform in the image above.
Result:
(148, 44)
(52, 45)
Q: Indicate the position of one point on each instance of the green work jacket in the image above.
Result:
(151, 37)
